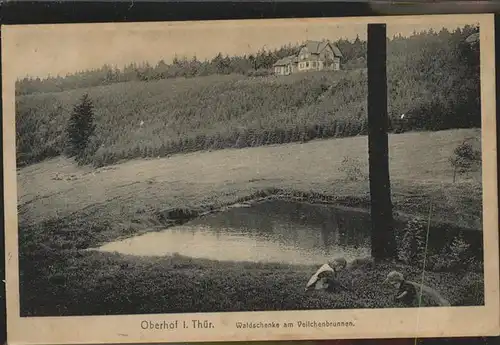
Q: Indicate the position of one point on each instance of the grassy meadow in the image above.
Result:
(65, 208)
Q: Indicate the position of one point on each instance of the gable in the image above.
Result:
(327, 48)
(336, 50)
(332, 49)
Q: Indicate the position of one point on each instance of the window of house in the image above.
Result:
(314, 63)
(307, 64)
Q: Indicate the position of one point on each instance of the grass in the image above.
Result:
(186, 115)
(419, 171)
(64, 208)
(225, 111)
(105, 284)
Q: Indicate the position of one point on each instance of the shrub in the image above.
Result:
(464, 158)
(454, 257)
(412, 244)
(351, 167)
(458, 251)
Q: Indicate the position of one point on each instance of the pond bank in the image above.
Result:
(177, 216)
(276, 228)
(76, 232)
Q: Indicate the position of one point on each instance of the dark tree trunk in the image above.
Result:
(382, 237)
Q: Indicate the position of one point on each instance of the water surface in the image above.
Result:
(271, 231)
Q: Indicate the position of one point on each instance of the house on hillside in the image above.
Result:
(312, 56)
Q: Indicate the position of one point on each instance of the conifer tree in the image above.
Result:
(80, 128)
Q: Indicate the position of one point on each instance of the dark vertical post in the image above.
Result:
(382, 235)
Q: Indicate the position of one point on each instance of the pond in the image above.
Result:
(271, 231)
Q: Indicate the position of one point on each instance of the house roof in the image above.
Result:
(286, 61)
(315, 47)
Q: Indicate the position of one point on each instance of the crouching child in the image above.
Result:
(326, 277)
(406, 291)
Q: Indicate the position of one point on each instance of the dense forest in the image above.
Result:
(188, 105)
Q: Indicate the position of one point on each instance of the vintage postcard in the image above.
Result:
(302, 179)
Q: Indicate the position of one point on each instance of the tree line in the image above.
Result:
(431, 52)
(258, 64)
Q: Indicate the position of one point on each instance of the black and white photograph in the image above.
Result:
(211, 180)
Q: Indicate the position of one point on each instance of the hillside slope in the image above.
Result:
(160, 118)
(183, 115)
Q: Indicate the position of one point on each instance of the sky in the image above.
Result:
(42, 50)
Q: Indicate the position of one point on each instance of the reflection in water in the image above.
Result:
(271, 231)
(325, 238)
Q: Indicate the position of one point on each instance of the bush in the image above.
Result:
(458, 251)
(464, 158)
(411, 249)
(453, 258)
(351, 167)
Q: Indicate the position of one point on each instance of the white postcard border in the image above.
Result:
(373, 323)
